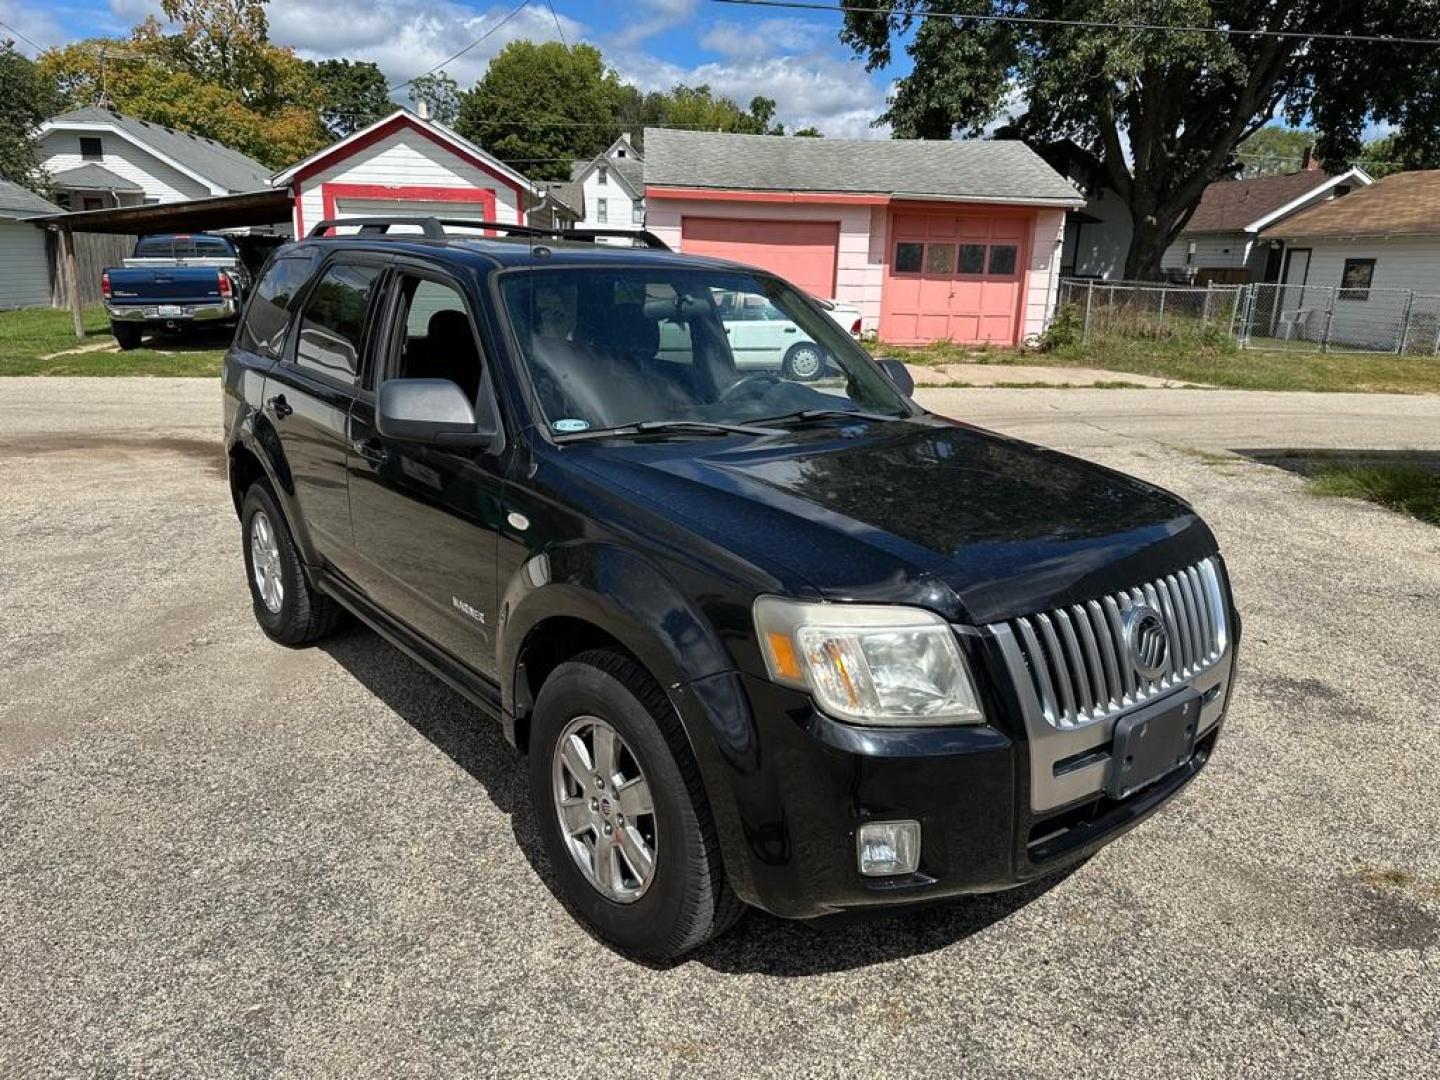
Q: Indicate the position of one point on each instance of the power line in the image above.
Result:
(558, 28)
(28, 40)
(451, 59)
(1084, 24)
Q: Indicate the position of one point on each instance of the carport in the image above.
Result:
(271, 206)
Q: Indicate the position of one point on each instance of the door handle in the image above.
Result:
(280, 406)
(788, 330)
(372, 450)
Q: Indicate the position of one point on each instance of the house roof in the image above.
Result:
(1244, 205)
(92, 177)
(386, 126)
(629, 170)
(568, 193)
(992, 171)
(1402, 204)
(215, 162)
(19, 202)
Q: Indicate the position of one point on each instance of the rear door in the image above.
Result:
(308, 397)
(427, 518)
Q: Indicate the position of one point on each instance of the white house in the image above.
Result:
(612, 187)
(405, 164)
(98, 158)
(1366, 266)
(24, 251)
(1222, 243)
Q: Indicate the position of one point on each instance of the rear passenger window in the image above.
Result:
(334, 322)
(268, 315)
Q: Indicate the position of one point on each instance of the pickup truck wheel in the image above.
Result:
(804, 361)
(127, 335)
(622, 813)
(286, 607)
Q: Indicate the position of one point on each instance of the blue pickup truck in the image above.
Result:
(174, 281)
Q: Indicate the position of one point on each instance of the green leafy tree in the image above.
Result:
(354, 94)
(808, 133)
(541, 106)
(1161, 111)
(26, 98)
(1274, 150)
(441, 95)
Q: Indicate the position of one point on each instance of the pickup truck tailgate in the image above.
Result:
(171, 285)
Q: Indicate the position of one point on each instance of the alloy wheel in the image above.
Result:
(265, 562)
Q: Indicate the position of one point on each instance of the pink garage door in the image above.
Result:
(802, 252)
(954, 276)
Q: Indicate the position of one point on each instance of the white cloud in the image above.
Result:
(813, 89)
(30, 22)
(765, 37)
(650, 17)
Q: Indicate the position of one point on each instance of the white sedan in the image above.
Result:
(762, 337)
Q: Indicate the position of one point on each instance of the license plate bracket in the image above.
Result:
(1151, 742)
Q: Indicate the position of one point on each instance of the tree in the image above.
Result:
(1161, 111)
(1274, 150)
(700, 109)
(441, 95)
(218, 77)
(808, 133)
(541, 106)
(354, 94)
(26, 98)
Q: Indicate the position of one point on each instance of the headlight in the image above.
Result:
(869, 663)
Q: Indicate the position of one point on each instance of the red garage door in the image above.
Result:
(954, 277)
(802, 252)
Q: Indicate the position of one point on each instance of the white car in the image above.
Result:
(762, 337)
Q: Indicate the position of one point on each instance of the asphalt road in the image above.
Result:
(223, 858)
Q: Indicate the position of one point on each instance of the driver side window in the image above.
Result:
(434, 337)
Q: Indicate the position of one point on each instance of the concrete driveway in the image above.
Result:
(219, 857)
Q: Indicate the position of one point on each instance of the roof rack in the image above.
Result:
(433, 228)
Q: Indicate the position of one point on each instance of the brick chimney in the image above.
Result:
(1308, 161)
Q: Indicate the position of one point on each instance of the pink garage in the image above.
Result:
(931, 240)
(408, 166)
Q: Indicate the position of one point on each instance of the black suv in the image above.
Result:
(764, 639)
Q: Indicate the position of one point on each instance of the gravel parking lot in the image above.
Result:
(219, 857)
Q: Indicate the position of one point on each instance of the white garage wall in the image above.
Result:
(24, 266)
(859, 271)
(407, 159)
(1043, 274)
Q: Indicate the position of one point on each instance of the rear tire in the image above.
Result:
(804, 361)
(286, 607)
(127, 335)
(685, 901)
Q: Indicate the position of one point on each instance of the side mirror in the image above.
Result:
(434, 411)
(899, 374)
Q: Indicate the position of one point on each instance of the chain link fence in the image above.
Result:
(1331, 319)
(1148, 310)
(1268, 315)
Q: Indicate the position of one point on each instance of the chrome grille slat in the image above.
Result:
(1079, 664)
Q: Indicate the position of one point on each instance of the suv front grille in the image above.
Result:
(1079, 662)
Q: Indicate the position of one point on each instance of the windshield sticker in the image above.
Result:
(570, 425)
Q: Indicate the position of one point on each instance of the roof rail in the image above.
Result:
(433, 228)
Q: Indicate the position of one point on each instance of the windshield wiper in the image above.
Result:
(818, 414)
(648, 427)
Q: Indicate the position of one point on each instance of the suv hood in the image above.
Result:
(974, 525)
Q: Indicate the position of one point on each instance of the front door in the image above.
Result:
(427, 518)
(309, 394)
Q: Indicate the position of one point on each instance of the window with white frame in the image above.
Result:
(637, 214)
(602, 213)
(602, 175)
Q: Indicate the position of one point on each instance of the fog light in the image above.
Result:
(888, 847)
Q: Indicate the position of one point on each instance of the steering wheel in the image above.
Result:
(752, 383)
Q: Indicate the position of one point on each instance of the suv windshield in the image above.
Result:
(612, 346)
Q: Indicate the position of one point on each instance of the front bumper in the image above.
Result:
(804, 783)
(181, 313)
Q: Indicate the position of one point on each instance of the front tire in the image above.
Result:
(804, 361)
(127, 335)
(286, 607)
(622, 813)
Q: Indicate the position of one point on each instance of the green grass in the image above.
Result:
(1409, 489)
(29, 334)
(1200, 361)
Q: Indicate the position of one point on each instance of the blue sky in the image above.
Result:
(791, 56)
